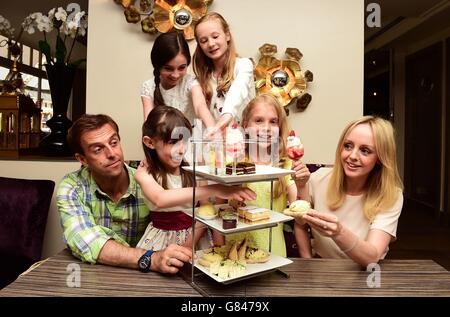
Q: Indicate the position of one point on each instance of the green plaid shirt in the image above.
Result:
(90, 218)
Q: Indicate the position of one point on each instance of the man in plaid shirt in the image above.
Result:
(102, 210)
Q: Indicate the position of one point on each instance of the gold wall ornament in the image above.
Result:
(283, 78)
(165, 15)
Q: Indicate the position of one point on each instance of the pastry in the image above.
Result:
(233, 255)
(234, 143)
(253, 213)
(256, 255)
(241, 168)
(208, 258)
(206, 210)
(294, 147)
(297, 208)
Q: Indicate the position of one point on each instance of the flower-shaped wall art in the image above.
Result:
(283, 78)
(165, 15)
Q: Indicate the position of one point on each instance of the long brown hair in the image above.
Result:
(203, 66)
(160, 124)
(383, 184)
(165, 48)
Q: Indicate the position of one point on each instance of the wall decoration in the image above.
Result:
(283, 78)
(165, 15)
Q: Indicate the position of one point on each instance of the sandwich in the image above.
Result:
(209, 258)
(256, 255)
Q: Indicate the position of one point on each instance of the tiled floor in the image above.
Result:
(419, 236)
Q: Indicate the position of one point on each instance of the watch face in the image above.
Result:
(144, 263)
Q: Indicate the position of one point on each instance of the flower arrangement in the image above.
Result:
(68, 24)
(13, 82)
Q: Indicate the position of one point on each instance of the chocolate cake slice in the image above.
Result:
(249, 168)
(241, 168)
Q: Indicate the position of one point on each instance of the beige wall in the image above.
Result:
(329, 33)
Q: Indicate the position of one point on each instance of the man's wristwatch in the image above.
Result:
(145, 261)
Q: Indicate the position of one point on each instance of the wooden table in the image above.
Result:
(308, 277)
(50, 279)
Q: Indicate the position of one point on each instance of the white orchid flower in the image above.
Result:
(44, 24)
(61, 14)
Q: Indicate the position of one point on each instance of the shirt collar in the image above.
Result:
(95, 189)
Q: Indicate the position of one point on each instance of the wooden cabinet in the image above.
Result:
(20, 121)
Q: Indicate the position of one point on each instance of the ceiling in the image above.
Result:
(400, 17)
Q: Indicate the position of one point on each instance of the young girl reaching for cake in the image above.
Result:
(167, 187)
(265, 119)
(171, 84)
(226, 80)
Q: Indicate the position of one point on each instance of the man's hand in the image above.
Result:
(171, 259)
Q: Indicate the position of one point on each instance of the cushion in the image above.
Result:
(24, 206)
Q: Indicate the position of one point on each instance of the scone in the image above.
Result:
(206, 210)
(297, 208)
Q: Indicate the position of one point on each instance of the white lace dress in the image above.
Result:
(180, 98)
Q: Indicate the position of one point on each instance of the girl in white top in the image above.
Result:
(226, 81)
(171, 85)
(167, 187)
(356, 204)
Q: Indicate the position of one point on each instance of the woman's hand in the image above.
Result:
(301, 175)
(326, 224)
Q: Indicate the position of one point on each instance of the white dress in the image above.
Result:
(241, 92)
(180, 98)
(158, 239)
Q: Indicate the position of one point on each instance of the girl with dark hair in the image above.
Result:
(166, 185)
(172, 85)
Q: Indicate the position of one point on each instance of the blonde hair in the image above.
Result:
(204, 67)
(383, 184)
(269, 100)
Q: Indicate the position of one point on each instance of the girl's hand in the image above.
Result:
(214, 133)
(301, 175)
(235, 192)
(326, 224)
(141, 171)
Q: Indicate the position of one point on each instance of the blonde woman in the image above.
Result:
(358, 202)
